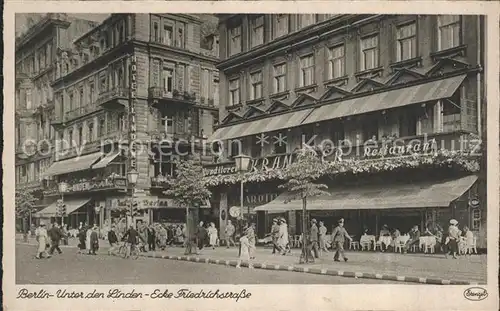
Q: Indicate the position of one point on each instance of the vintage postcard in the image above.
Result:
(323, 155)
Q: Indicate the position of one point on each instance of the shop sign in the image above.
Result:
(256, 165)
(132, 120)
(474, 202)
(399, 149)
(259, 199)
(148, 202)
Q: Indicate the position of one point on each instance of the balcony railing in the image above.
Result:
(160, 182)
(159, 93)
(80, 111)
(112, 95)
(159, 135)
(94, 184)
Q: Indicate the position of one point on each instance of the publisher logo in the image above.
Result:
(475, 293)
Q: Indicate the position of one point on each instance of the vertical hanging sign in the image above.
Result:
(131, 113)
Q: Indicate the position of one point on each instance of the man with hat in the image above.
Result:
(453, 238)
(313, 240)
(339, 235)
(56, 235)
(414, 238)
(275, 234)
(385, 238)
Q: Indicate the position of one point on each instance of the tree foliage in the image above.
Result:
(301, 175)
(188, 187)
(25, 203)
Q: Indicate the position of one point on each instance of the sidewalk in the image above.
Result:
(418, 268)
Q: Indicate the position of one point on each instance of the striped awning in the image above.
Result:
(106, 160)
(386, 100)
(76, 164)
(415, 195)
(71, 206)
(275, 123)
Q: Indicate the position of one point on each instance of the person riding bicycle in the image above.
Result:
(131, 237)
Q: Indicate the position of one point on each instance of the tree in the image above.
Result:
(301, 177)
(188, 189)
(25, 204)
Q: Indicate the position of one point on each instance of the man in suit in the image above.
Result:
(339, 235)
(313, 239)
(275, 234)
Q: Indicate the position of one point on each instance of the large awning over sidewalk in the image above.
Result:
(106, 160)
(76, 164)
(71, 206)
(416, 195)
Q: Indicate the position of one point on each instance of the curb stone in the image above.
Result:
(332, 272)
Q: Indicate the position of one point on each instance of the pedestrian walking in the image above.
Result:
(283, 237)
(245, 251)
(229, 233)
(201, 235)
(212, 234)
(113, 240)
(339, 235)
(453, 237)
(88, 241)
(55, 235)
(275, 234)
(143, 232)
(322, 238)
(82, 233)
(163, 237)
(312, 247)
(43, 239)
(151, 238)
(250, 234)
(94, 240)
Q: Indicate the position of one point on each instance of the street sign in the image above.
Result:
(474, 202)
(234, 211)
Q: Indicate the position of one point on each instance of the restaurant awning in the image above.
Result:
(76, 164)
(265, 125)
(71, 206)
(106, 160)
(430, 91)
(415, 195)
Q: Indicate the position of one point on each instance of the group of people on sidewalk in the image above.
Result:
(316, 241)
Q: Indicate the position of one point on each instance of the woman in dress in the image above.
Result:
(244, 251)
(163, 236)
(283, 236)
(322, 237)
(42, 238)
(250, 233)
(212, 234)
(88, 241)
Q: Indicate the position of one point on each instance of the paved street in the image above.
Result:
(72, 268)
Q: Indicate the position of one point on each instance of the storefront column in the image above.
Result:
(292, 221)
(223, 215)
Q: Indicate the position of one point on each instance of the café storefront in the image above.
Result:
(415, 193)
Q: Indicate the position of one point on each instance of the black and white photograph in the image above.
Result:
(251, 148)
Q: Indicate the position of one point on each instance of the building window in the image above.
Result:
(306, 70)
(205, 84)
(29, 103)
(407, 42)
(91, 93)
(167, 34)
(280, 143)
(102, 84)
(80, 136)
(90, 132)
(256, 147)
(121, 121)
(449, 31)
(120, 78)
(82, 98)
(234, 92)
(336, 62)
(235, 40)
(180, 35)
(71, 101)
(257, 31)
(476, 219)
(281, 25)
(235, 148)
(168, 80)
(155, 32)
(370, 129)
(451, 114)
(280, 78)
(71, 140)
(121, 33)
(369, 53)
(306, 20)
(168, 124)
(102, 127)
(256, 89)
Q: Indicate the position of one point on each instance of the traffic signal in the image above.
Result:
(61, 208)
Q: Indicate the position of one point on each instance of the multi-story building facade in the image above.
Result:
(159, 59)
(36, 50)
(336, 83)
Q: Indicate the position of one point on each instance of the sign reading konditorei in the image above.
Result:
(258, 164)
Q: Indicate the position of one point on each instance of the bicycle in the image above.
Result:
(134, 251)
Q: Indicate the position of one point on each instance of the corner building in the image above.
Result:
(394, 103)
(175, 105)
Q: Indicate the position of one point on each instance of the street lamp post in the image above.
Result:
(132, 176)
(242, 162)
(63, 187)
